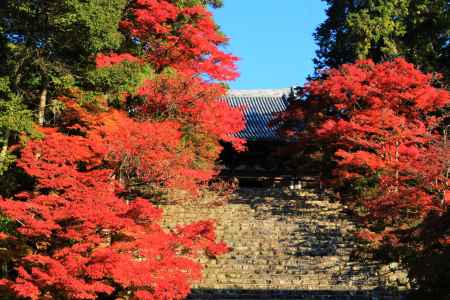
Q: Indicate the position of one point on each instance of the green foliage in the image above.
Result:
(380, 25)
(60, 28)
(188, 3)
(49, 45)
(6, 225)
(383, 29)
(213, 3)
(97, 20)
(14, 118)
(119, 78)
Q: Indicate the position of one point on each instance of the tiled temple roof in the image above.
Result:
(259, 111)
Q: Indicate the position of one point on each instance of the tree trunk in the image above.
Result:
(4, 150)
(446, 134)
(42, 104)
(397, 171)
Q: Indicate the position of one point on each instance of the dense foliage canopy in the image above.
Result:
(377, 131)
(82, 240)
(106, 106)
(418, 30)
(103, 102)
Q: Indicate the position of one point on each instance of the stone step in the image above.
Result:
(292, 294)
(304, 268)
(283, 242)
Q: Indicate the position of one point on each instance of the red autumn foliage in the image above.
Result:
(81, 233)
(201, 118)
(194, 104)
(183, 37)
(146, 150)
(149, 152)
(185, 120)
(104, 61)
(379, 124)
(77, 239)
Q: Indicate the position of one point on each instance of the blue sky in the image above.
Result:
(272, 38)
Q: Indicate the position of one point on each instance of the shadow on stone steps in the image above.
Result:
(221, 294)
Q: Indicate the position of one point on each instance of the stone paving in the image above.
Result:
(286, 244)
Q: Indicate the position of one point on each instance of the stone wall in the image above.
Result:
(286, 244)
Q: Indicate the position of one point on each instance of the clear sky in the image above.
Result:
(273, 39)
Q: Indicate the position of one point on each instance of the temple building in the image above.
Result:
(263, 141)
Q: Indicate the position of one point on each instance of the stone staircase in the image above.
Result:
(287, 244)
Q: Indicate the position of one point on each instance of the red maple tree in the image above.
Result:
(75, 238)
(185, 38)
(193, 103)
(168, 134)
(379, 124)
(203, 119)
(80, 232)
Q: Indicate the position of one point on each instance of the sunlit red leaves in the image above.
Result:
(193, 103)
(147, 151)
(370, 236)
(382, 124)
(231, 121)
(202, 118)
(378, 122)
(359, 158)
(185, 38)
(52, 161)
(79, 238)
(103, 61)
(83, 239)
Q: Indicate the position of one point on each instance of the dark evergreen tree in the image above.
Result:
(418, 30)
